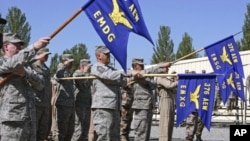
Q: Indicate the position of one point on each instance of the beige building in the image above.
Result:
(199, 64)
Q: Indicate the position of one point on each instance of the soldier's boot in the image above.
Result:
(198, 138)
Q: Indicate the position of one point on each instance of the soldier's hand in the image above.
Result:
(39, 56)
(68, 62)
(87, 68)
(136, 74)
(41, 43)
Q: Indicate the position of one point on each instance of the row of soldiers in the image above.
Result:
(33, 105)
(27, 104)
(102, 97)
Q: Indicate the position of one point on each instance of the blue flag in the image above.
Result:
(113, 20)
(225, 59)
(223, 55)
(195, 93)
(231, 82)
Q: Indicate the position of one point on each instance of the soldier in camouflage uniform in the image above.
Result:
(43, 97)
(17, 111)
(64, 101)
(106, 96)
(126, 111)
(143, 98)
(82, 101)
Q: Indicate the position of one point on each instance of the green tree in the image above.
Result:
(245, 41)
(79, 52)
(53, 63)
(1, 26)
(164, 47)
(238, 43)
(186, 47)
(17, 24)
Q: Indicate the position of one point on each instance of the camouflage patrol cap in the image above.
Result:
(43, 50)
(85, 62)
(173, 72)
(67, 57)
(101, 49)
(12, 38)
(2, 21)
(138, 61)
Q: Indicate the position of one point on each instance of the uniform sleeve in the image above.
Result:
(36, 80)
(154, 69)
(105, 72)
(166, 83)
(108, 73)
(79, 83)
(17, 61)
(60, 70)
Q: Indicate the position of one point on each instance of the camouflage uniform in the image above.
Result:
(143, 102)
(82, 104)
(64, 102)
(17, 111)
(194, 126)
(167, 92)
(126, 112)
(106, 99)
(43, 99)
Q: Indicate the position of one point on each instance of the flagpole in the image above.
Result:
(94, 77)
(198, 51)
(237, 33)
(188, 55)
(65, 23)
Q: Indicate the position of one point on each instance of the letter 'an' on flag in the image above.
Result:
(195, 93)
(113, 20)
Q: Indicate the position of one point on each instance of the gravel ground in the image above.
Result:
(216, 133)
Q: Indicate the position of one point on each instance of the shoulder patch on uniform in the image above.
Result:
(100, 69)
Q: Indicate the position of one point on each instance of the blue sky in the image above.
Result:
(205, 21)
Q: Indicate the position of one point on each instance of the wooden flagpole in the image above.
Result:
(94, 77)
(197, 51)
